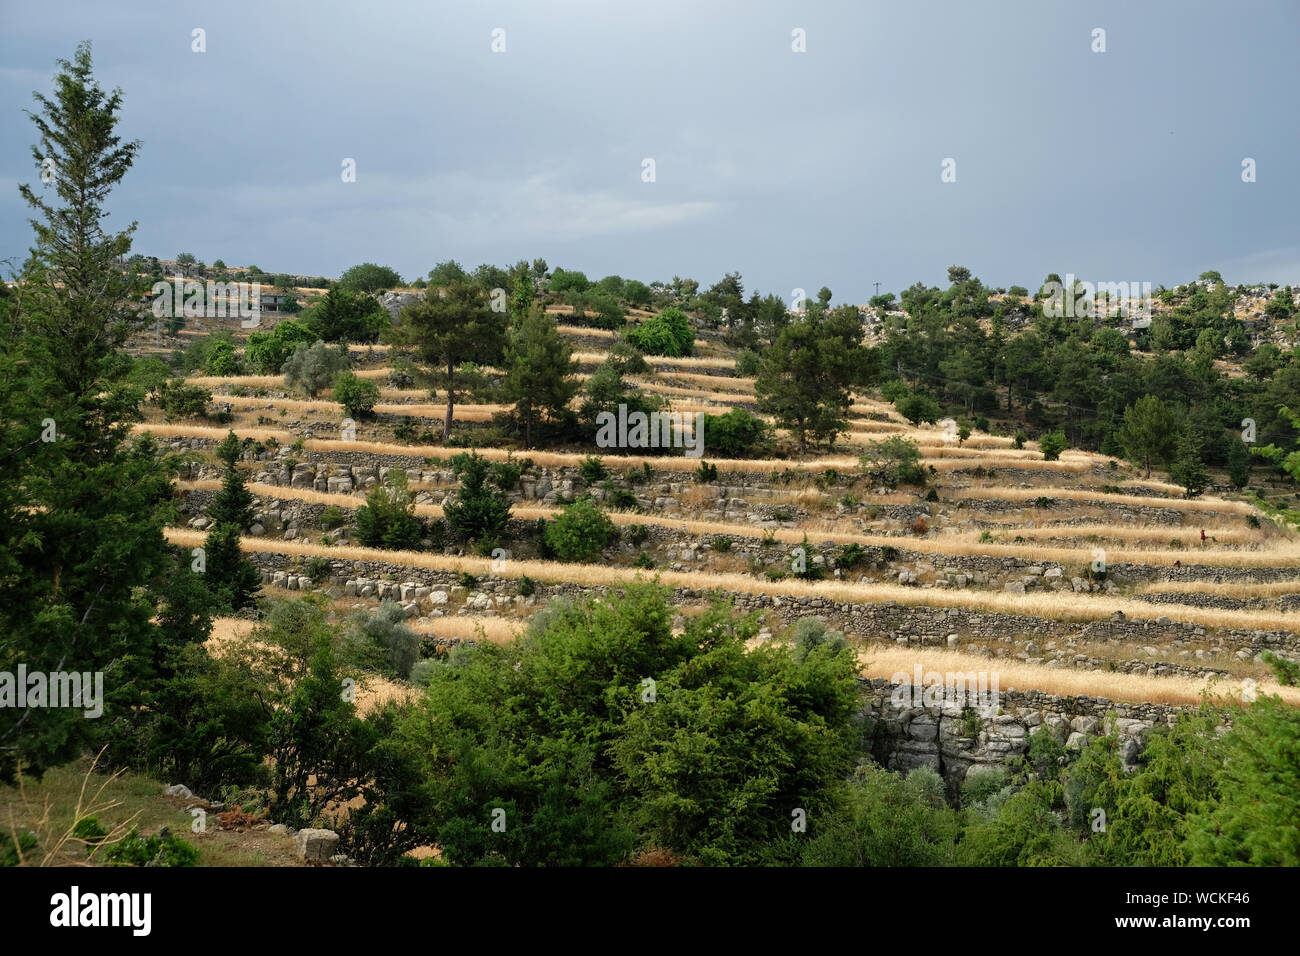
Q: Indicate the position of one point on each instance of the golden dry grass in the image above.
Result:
(1049, 605)
(887, 661)
(690, 361)
(1232, 589)
(213, 431)
(1073, 494)
(1161, 534)
(1278, 553)
(498, 630)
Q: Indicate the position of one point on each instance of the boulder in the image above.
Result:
(316, 846)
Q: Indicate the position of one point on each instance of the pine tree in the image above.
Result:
(480, 511)
(1148, 432)
(232, 579)
(450, 326)
(1189, 468)
(805, 377)
(81, 519)
(233, 504)
(539, 373)
(1238, 464)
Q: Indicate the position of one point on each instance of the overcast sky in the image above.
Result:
(795, 169)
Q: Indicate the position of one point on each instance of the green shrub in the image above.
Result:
(312, 368)
(1287, 672)
(178, 400)
(616, 497)
(480, 511)
(579, 532)
(89, 830)
(592, 469)
(506, 474)
(268, 351)
(892, 462)
(747, 363)
(721, 544)
(737, 434)
(332, 517)
(134, 850)
(1052, 444)
(526, 587)
(356, 395)
(467, 580)
(387, 519)
(706, 473)
(381, 640)
(12, 853)
(636, 533)
(318, 568)
(644, 560)
(668, 333)
(850, 556)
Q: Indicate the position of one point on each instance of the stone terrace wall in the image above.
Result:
(913, 626)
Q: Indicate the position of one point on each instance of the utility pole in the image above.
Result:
(877, 288)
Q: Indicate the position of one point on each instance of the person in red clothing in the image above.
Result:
(1202, 537)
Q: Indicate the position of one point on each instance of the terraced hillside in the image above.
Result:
(1071, 570)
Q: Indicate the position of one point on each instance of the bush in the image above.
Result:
(706, 473)
(525, 587)
(892, 462)
(721, 544)
(1287, 672)
(644, 560)
(579, 532)
(268, 351)
(178, 400)
(1052, 444)
(356, 395)
(346, 316)
(636, 533)
(480, 510)
(1018, 441)
(920, 526)
(737, 434)
(810, 632)
(134, 850)
(592, 469)
(318, 568)
(312, 368)
(332, 517)
(747, 363)
(387, 519)
(668, 333)
(380, 640)
(616, 497)
(850, 556)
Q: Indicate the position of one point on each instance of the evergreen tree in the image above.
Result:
(82, 511)
(480, 511)
(539, 373)
(451, 326)
(805, 377)
(1189, 468)
(233, 580)
(233, 504)
(1148, 432)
